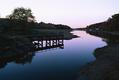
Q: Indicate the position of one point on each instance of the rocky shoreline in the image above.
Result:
(106, 66)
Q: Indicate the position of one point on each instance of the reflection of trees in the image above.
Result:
(7, 57)
(106, 66)
(20, 56)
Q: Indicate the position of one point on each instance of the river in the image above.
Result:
(53, 64)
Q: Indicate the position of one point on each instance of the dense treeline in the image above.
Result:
(22, 21)
(43, 25)
(16, 25)
(112, 24)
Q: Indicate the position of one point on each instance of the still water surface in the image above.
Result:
(55, 64)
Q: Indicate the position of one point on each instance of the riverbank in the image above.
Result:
(105, 67)
(67, 35)
(22, 44)
(103, 34)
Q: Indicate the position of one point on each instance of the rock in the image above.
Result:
(105, 67)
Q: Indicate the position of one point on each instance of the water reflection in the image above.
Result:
(56, 64)
(9, 56)
(106, 66)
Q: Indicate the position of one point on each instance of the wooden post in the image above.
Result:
(41, 44)
(48, 43)
(54, 42)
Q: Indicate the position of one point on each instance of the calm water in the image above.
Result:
(54, 64)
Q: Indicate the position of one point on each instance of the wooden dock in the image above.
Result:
(47, 42)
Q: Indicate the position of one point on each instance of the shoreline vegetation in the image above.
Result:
(110, 26)
(106, 66)
(21, 23)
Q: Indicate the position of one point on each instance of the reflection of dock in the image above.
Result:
(41, 43)
(47, 42)
(23, 58)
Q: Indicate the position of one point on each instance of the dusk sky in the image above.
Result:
(75, 13)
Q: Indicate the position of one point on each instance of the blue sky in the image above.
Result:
(75, 13)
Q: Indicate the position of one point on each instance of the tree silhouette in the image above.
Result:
(112, 24)
(22, 14)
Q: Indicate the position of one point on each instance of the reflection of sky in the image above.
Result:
(57, 64)
(76, 13)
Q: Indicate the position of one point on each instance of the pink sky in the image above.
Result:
(75, 13)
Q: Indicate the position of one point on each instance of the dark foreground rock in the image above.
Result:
(106, 65)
